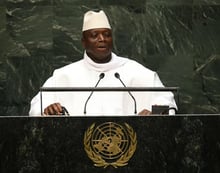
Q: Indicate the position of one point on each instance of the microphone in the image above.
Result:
(101, 76)
(135, 104)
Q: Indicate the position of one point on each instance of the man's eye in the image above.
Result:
(94, 35)
(107, 34)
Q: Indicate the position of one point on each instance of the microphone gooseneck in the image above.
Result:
(101, 76)
(135, 104)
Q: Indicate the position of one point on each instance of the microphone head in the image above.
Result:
(117, 75)
(102, 75)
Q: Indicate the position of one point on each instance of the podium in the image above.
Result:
(174, 144)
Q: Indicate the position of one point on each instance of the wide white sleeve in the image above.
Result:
(42, 100)
(163, 98)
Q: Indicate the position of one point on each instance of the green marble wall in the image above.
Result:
(179, 39)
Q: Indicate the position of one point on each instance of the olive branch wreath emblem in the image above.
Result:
(98, 160)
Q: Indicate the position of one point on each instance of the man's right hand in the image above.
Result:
(53, 109)
(145, 112)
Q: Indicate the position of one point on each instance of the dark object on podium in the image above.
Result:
(160, 109)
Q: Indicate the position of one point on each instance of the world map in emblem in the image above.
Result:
(110, 144)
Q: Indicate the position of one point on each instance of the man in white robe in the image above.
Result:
(99, 58)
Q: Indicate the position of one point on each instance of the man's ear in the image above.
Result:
(83, 42)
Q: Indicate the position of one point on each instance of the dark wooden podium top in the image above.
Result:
(181, 143)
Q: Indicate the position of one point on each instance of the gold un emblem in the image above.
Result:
(110, 144)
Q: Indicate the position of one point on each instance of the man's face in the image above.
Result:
(98, 44)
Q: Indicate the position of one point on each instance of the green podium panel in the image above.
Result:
(127, 144)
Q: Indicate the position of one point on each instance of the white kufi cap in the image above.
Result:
(94, 20)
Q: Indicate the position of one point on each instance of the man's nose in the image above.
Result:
(101, 37)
